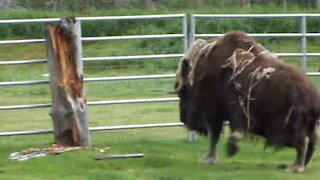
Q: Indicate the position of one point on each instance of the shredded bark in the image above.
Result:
(40, 152)
(238, 62)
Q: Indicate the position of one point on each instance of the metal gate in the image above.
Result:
(183, 36)
(302, 33)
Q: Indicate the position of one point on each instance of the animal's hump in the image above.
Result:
(237, 36)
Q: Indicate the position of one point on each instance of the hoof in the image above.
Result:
(295, 169)
(210, 160)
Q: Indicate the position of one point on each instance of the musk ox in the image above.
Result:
(236, 79)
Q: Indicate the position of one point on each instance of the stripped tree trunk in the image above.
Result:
(69, 109)
(284, 5)
(317, 4)
(241, 2)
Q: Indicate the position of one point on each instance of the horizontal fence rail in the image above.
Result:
(94, 103)
(101, 128)
(105, 38)
(235, 16)
(88, 59)
(139, 57)
(117, 78)
(126, 78)
(269, 35)
(162, 36)
(101, 18)
(135, 57)
(19, 62)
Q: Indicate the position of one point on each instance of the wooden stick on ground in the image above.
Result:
(119, 156)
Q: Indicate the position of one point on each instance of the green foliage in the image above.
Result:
(252, 25)
(111, 28)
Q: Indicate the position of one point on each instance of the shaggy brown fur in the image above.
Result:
(241, 81)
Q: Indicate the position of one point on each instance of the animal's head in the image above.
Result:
(185, 86)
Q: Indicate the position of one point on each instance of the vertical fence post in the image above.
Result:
(185, 33)
(192, 134)
(192, 28)
(303, 44)
(69, 109)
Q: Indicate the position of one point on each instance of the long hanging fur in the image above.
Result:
(256, 92)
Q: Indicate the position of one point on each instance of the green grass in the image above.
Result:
(168, 155)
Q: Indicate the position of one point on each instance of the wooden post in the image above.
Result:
(69, 109)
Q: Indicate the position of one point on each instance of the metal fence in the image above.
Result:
(184, 36)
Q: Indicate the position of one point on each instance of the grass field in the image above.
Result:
(168, 156)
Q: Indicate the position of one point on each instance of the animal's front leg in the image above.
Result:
(214, 131)
(212, 156)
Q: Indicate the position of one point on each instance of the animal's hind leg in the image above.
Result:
(232, 144)
(311, 147)
(301, 147)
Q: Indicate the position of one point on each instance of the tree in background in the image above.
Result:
(245, 3)
(152, 4)
(6, 4)
(317, 4)
(83, 5)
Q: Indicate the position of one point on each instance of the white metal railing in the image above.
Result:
(101, 18)
(96, 79)
(110, 58)
(101, 128)
(254, 15)
(107, 38)
(184, 35)
(91, 103)
(279, 35)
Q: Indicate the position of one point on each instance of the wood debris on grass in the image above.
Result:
(40, 152)
(103, 150)
(119, 156)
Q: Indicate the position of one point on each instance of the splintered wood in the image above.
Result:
(69, 109)
(40, 152)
